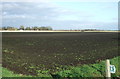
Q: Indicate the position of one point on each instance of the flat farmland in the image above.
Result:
(28, 52)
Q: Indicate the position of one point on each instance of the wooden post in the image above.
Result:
(108, 74)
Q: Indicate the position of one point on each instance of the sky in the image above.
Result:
(61, 15)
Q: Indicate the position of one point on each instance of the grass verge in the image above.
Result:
(89, 70)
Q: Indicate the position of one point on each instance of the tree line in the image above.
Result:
(27, 28)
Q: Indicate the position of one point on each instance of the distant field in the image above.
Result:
(46, 52)
(52, 31)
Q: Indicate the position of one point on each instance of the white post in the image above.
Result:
(108, 74)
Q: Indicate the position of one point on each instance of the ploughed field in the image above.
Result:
(30, 53)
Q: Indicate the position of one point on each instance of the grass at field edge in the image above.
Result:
(87, 70)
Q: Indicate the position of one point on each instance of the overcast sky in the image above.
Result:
(62, 15)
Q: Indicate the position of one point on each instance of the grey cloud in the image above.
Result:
(42, 13)
(32, 9)
(38, 14)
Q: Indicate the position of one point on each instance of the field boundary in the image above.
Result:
(9, 73)
(58, 31)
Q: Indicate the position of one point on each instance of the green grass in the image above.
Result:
(89, 70)
(8, 73)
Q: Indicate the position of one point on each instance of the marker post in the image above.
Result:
(108, 74)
